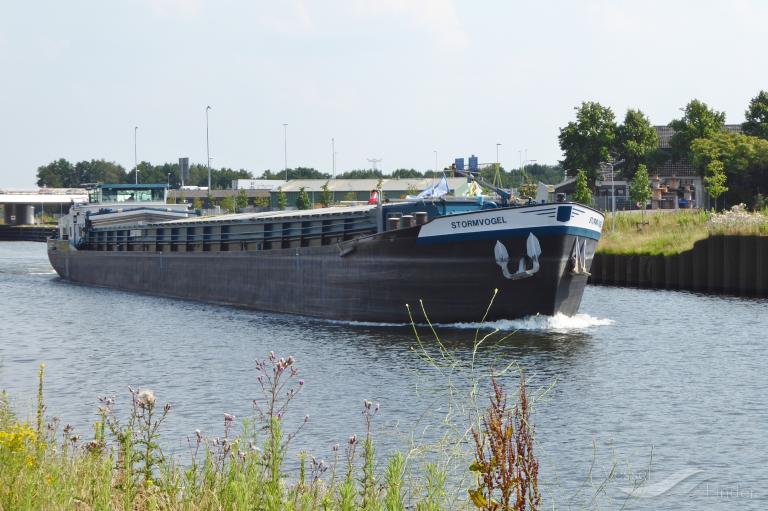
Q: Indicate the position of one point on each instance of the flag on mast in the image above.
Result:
(435, 191)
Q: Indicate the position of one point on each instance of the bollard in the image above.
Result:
(407, 220)
(421, 217)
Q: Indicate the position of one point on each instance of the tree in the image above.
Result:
(302, 200)
(757, 116)
(744, 159)
(241, 201)
(100, 171)
(362, 174)
(640, 186)
(636, 140)
(715, 179)
(261, 202)
(228, 204)
(548, 174)
(57, 174)
(583, 193)
(222, 178)
(587, 142)
(326, 198)
(297, 173)
(698, 121)
(406, 174)
(282, 199)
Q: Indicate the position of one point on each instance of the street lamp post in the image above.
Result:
(135, 161)
(285, 149)
(169, 180)
(613, 195)
(208, 148)
(497, 153)
(333, 156)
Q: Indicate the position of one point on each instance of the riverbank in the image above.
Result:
(673, 232)
(686, 250)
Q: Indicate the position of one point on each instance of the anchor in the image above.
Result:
(578, 259)
(533, 251)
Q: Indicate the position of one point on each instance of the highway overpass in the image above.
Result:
(24, 207)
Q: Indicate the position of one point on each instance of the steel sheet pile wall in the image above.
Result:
(718, 264)
(26, 233)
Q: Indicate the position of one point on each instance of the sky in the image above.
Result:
(396, 80)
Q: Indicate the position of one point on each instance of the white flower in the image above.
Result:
(146, 398)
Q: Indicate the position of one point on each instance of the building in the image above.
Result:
(351, 190)
(674, 184)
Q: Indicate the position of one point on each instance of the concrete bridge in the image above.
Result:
(26, 207)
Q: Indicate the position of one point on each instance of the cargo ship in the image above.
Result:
(367, 262)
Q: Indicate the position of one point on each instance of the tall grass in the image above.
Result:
(666, 233)
(122, 466)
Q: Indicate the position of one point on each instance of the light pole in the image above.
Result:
(208, 148)
(497, 153)
(285, 149)
(333, 156)
(613, 195)
(169, 180)
(135, 161)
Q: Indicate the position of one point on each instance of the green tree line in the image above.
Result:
(728, 160)
(63, 174)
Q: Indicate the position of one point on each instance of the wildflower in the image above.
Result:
(228, 418)
(352, 439)
(146, 398)
(198, 435)
(301, 383)
(306, 418)
(336, 448)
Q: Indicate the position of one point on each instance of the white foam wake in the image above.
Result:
(556, 323)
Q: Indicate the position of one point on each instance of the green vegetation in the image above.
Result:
(123, 465)
(326, 198)
(63, 174)
(241, 201)
(587, 143)
(282, 199)
(640, 186)
(583, 194)
(302, 199)
(594, 140)
(666, 233)
(698, 121)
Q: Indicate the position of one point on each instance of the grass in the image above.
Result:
(667, 233)
(122, 467)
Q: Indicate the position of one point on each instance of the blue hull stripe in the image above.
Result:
(561, 230)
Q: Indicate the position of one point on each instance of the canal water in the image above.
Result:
(659, 395)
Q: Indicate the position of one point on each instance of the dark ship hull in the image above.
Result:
(372, 278)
